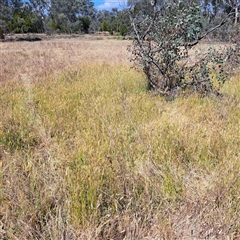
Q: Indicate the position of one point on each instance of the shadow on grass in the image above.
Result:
(22, 39)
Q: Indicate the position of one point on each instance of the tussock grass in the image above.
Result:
(89, 154)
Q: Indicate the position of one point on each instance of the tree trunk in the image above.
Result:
(236, 16)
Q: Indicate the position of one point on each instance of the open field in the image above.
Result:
(43, 58)
(87, 153)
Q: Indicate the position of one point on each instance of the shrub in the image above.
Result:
(123, 30)
(162, 44)
(104, 26)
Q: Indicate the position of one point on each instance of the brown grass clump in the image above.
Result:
(87, 153)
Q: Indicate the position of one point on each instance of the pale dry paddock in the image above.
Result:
(87, 153)
(50, 57)
(40, 59)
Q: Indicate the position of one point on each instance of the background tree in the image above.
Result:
(70, 16)
(40, 8)
(214, 10)
(5, 13)
(20, 18)
(111, 21)
(24, 21)
(102, 21)
(122, 21)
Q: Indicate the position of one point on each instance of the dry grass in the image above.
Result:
(40, 59)
(87, 153)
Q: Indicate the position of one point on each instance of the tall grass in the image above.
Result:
(89, 154)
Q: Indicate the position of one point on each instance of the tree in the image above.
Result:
(85, 23)
(233, 5)
(122, 23)
(220, 7)
(162, 43)
(40, 8)
(23, 21)
(68, 15)
(19, 17)
(123, 30)
(101, 21)
(111, 21)
(104, 26)
(5, 13)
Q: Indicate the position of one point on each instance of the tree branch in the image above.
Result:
(191, 44)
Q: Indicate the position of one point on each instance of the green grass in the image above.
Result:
(91, 154)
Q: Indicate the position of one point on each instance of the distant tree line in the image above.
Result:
(80, 16)
(60, 16)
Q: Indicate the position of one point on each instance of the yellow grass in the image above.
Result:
(87, 153)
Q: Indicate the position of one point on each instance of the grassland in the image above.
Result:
(87, 153)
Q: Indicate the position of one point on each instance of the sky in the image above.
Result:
(109, 4)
